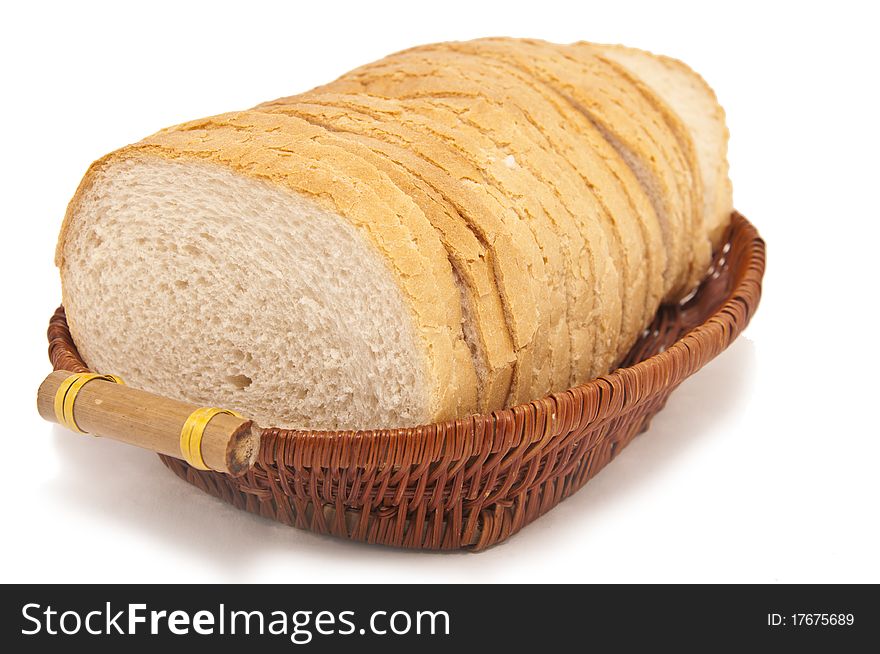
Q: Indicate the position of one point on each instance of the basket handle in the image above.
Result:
(102, 405)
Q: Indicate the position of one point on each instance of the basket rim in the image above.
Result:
(501, 431)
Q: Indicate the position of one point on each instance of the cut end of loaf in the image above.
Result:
(197, 283)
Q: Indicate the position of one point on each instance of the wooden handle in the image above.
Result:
(229, 443)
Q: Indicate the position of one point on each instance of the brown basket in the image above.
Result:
(472, 482)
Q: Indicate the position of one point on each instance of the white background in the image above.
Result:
(763, 467)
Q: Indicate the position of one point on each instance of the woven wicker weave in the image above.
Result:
(473, 482)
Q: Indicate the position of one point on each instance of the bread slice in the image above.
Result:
(332, 302)
(688, 94)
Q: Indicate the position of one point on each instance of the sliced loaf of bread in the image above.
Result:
(458, 227)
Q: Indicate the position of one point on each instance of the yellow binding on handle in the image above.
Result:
(66, 396)
(192, 432)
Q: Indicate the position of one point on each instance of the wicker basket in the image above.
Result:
(471, 483)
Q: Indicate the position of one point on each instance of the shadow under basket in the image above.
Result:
(473, 482)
